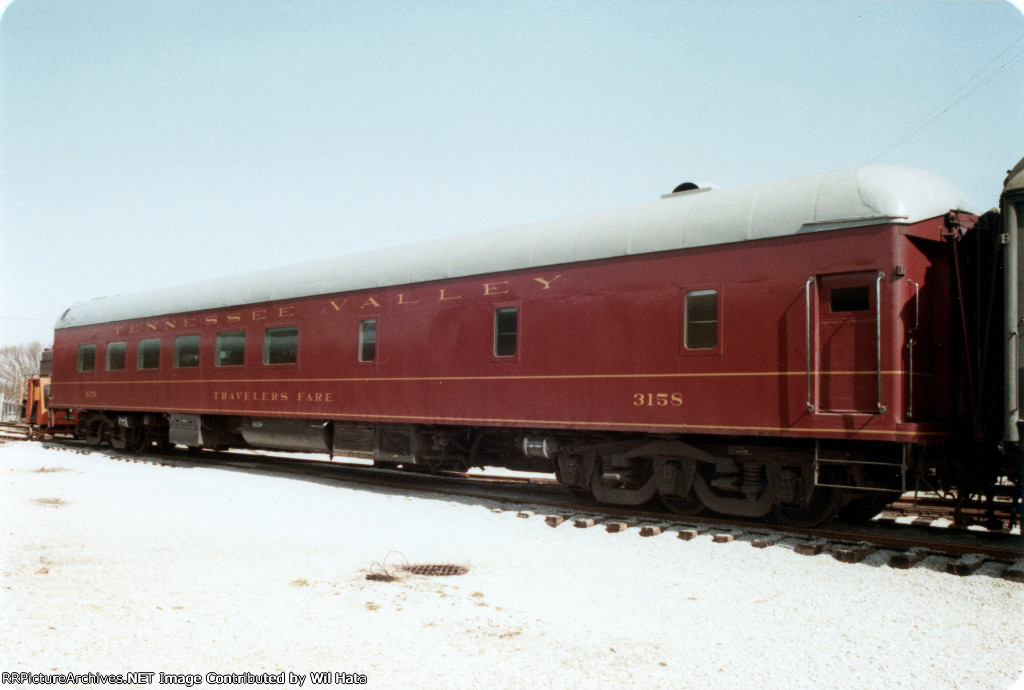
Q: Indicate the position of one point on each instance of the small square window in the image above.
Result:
(149, 353)
(850, 299)
(115, 356)
(368, 340)
(281, 345)
(230, 349)
(186, 351)
(86, 357)
(506, 331)
(701, 319)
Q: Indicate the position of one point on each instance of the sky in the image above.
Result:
(149, 144)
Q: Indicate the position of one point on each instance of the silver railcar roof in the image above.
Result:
(825, 201)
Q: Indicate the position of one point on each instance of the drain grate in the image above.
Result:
(436, 570)
(385, 572)
(382, 574)
(381, 577)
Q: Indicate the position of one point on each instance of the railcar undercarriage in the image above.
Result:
(798, 482)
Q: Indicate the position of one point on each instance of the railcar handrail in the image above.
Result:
(807, 320)
(911, 341)
(878, 336)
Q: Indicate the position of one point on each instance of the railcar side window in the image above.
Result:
(368, 340)
(149, 353)
(701, 319)
(230, 349)
(186, 351)
(115, 356)
(850, 299)
(86, 357)
(281, 345)
(506, 331)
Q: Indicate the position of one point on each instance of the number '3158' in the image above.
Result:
(657, 399)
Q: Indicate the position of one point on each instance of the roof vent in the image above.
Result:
(687, 188)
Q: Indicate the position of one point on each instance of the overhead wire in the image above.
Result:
(964, 91)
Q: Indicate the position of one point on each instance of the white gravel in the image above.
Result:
(110, 567)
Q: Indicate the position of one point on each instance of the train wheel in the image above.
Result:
(675, 486)
(573, 473)
(584, 495)
(138, 439)
(821, 507)
(119, 438)
(632, 485)
(690, 506)
(96, 432)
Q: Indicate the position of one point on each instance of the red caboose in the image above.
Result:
(792, 347)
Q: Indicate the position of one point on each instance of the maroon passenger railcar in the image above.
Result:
(794, 348)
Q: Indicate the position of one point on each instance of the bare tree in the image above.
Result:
(17, 363)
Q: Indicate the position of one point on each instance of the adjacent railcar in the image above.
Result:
(797, 348)
(40, 420)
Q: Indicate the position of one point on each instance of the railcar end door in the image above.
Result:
(848, 342)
